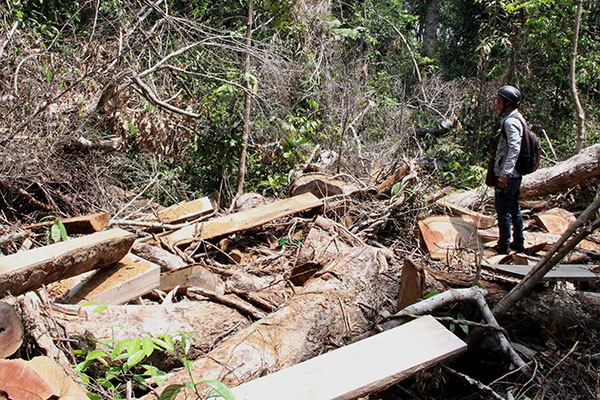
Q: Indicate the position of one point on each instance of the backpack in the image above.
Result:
(531, 151)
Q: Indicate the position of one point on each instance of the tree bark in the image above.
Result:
(573, 82)
(556, 179)
(336, 304)
(247, 102)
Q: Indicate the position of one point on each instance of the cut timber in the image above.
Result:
(192, 275)
(481, 221)
(561, 272)
(321, 186)
(412, 284)
(556, 179)
(330, 307)
(83, 224)
(31, 269)
(556, 220)
(86, 223)
(38, 378)
(443, 235)
(11, 331)
(120, 283)
(186, 211)
(356, 370)
(385, 187)
(243, 220)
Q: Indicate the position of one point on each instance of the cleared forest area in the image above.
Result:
(277, 200)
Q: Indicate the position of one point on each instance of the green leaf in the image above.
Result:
(136, 358)
(170, 392)
(147, 346)
(134, 346)
(119, 349)
(396, 189)
(220, 390)
(99, 309)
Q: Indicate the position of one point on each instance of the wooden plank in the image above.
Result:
(186, 211)
(561, 272)
(243, 220)
(193, 275)
(85, 224)
(120, 283)
(31, 269)
(443, 235)
(360, 368)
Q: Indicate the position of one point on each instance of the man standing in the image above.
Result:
(508, 180)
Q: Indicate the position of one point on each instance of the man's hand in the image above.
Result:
(502, 182)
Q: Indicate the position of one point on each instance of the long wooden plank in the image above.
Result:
(360, 368)
(243, 220)
(31, 269)
(118, 284)
(561, 272)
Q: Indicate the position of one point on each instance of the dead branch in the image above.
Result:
(13, 237)
(478, 384)
(10, 35)
(473, 294)
(149, 93)
(240, 305)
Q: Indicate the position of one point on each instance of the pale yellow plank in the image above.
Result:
(360, 368)
(243, 220)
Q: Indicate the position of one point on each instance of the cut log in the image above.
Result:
(86, 223)
(20, 381)
(11, 331)
(321, 186)
(83, 224)
(185, 211)
(556, 220)
(560, 272)
(165, 259)
(206, 320)
(384, 188)
(443, 235)
(481, 221)
(243, 220)
(120, 283)
(356, 370)
(38, 378)
(335, 304)
(31, 269)
(556, 179)
(192, 275)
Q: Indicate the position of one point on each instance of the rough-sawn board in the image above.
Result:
(243, 220)
(360, 368)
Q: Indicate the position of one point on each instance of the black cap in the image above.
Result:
(511, 94)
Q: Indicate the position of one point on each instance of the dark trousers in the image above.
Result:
(509, 211)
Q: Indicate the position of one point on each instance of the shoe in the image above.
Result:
(519, 248)
(500, 249)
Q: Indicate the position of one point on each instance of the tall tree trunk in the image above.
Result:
(574, 94)
(432, 17)
(247, 99)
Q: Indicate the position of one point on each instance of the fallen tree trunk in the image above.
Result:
(209, 322)
(336, 304)
(556, 179)
(31, 269)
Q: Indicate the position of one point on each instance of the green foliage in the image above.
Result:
(57, 232)
(125, 362)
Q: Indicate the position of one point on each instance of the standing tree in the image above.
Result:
(247, 100)
(574, 93)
